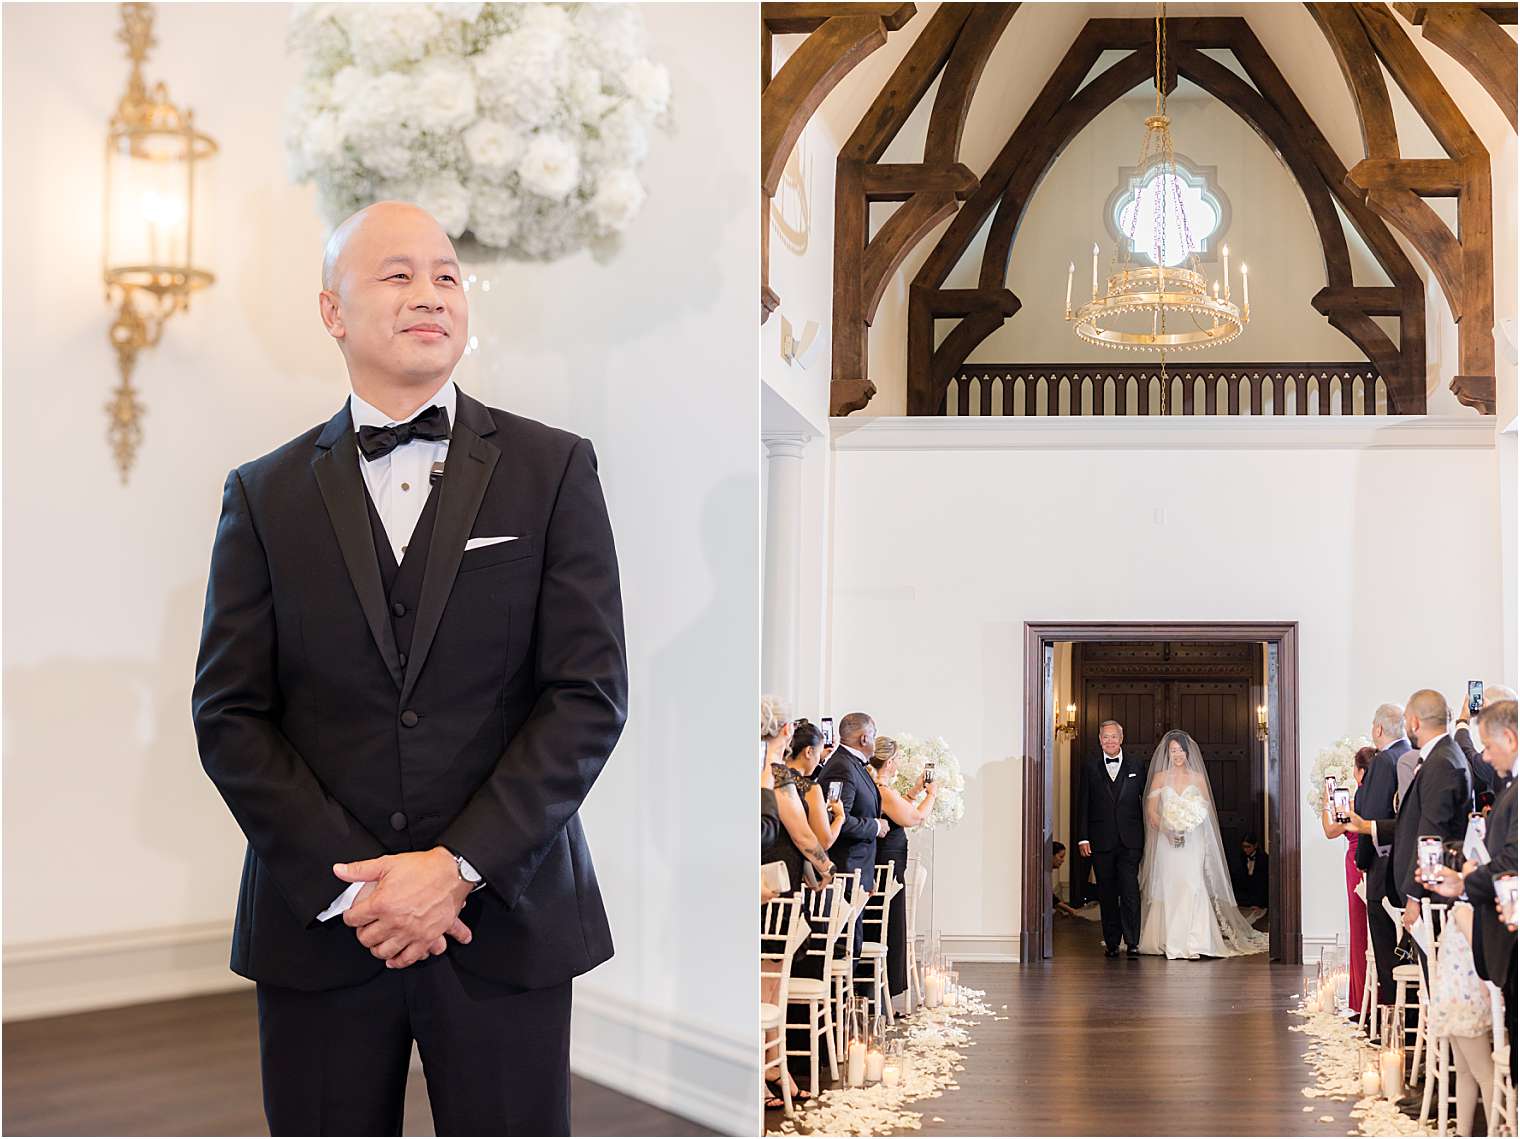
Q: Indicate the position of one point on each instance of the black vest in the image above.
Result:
(403, 583)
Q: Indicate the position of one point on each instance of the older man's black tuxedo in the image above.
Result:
(1109, 818)
(855, 846)
(1374, 800)
(346, 709)
(1438, 801)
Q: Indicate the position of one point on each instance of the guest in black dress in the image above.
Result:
(806, 758)
(901, 812)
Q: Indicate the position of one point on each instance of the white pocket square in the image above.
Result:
(1134, 775)
(476, 543)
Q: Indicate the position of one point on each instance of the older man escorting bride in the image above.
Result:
(1187, 907)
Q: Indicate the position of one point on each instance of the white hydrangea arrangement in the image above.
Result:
(1338, 760)
(520, 127)
(912, 754)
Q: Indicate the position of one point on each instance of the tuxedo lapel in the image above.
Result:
(472, 459)
(336, 467)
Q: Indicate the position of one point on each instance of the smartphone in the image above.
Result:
(1507, 887)
(1474, 696)
(928, 773)
(1341, 797)
(1329, 790)
(827, 724)
(833, 792)
(1428, 855)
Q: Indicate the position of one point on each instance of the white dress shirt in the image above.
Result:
(1113, 764)
(398, 485)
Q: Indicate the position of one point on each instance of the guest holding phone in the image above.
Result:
(901, 812)
(807, 755)
(1355, 905)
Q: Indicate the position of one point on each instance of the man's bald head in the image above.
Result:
(1426, 715)
(366, 226)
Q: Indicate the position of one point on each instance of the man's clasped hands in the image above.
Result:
(408, 906)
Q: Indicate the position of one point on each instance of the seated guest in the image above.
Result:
(1249, 874)
(1493, 942)
(1486, 781)
(1058, 860)
(901, 812)
(806, 755)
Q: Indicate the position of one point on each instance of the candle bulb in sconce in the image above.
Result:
(1225, 250)
(1071, 271)
(1245, 290)
(1095, 270)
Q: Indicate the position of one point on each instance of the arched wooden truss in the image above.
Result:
(1471, 35)
(1366, 38)
(1064, 107)
(839, 36)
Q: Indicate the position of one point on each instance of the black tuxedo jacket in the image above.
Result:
(1374, 798)
(1493, 940)
(332, 744)
(1251, 887)
(1485, 778)
(1438, 802)
(855, 847)
(1109, 810)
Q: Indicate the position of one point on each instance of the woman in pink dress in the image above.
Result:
(1357, 907)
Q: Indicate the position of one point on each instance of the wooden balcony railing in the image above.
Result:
(1135, 389)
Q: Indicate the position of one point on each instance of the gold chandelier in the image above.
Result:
(1183, 311)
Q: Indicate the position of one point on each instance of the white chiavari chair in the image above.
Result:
(1438, 1058)
(1500, 1105)
(782, 933)
(842, 967)
(873, 950)
(827, 910)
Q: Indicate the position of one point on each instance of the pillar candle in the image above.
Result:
(891, 1074)
(855, 1065)
(1372, 1082)
(875, 1064)
(1392, 1064)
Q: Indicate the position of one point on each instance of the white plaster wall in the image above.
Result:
(986, 534)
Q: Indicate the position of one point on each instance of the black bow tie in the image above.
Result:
(376, 442)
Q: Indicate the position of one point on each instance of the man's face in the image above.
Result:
(1248, 848)
(1379, 737)
(1411, 725)
(1111, 738)
(397, 272)
(1058, 860)
(1499, 749)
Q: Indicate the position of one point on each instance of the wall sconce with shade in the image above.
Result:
(154, 156)
(1066, 727)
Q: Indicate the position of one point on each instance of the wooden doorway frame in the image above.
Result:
(1287, 944)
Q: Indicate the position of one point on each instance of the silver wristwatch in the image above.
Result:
(467, 873)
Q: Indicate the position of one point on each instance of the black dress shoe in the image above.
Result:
(1110, 951)
(1133, 952)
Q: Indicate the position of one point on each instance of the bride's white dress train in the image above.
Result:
(1188, 907)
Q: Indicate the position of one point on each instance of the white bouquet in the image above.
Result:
(1182, 813)
(520, 127)
(912, 754)
(1337, 760)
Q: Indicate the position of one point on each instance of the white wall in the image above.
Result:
(951, 534)
(121, 861)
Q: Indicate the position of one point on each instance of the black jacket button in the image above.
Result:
(409, 719)
(401, 659)
(398, 821)
(398, 609)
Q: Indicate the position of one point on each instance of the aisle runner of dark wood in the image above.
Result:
(191, 1067)
(1094, 1046)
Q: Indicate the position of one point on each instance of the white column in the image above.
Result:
(783, 540)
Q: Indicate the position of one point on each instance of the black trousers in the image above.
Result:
(1384, 935)
(497, 1060)
(1118, 874)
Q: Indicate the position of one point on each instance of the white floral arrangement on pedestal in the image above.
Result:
(520, 127)
(1338, 760)
(912, 754)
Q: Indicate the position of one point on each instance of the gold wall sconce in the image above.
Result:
(154, 155)
(1066, 727)
(1261, 721)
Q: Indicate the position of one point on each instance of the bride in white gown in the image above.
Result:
(1187, 905)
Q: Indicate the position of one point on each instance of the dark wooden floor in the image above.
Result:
(1095, 1046)
(191, 1067)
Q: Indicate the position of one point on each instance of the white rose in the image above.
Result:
(649, 85)
(383, 36)
(389, 156)
(588, 102)
(448, 200)
(494, 149)
(441, 96)
(622, 138)
(524, 74)
(322, 141)
(550, 167)
(494, 217)
(618, 199)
